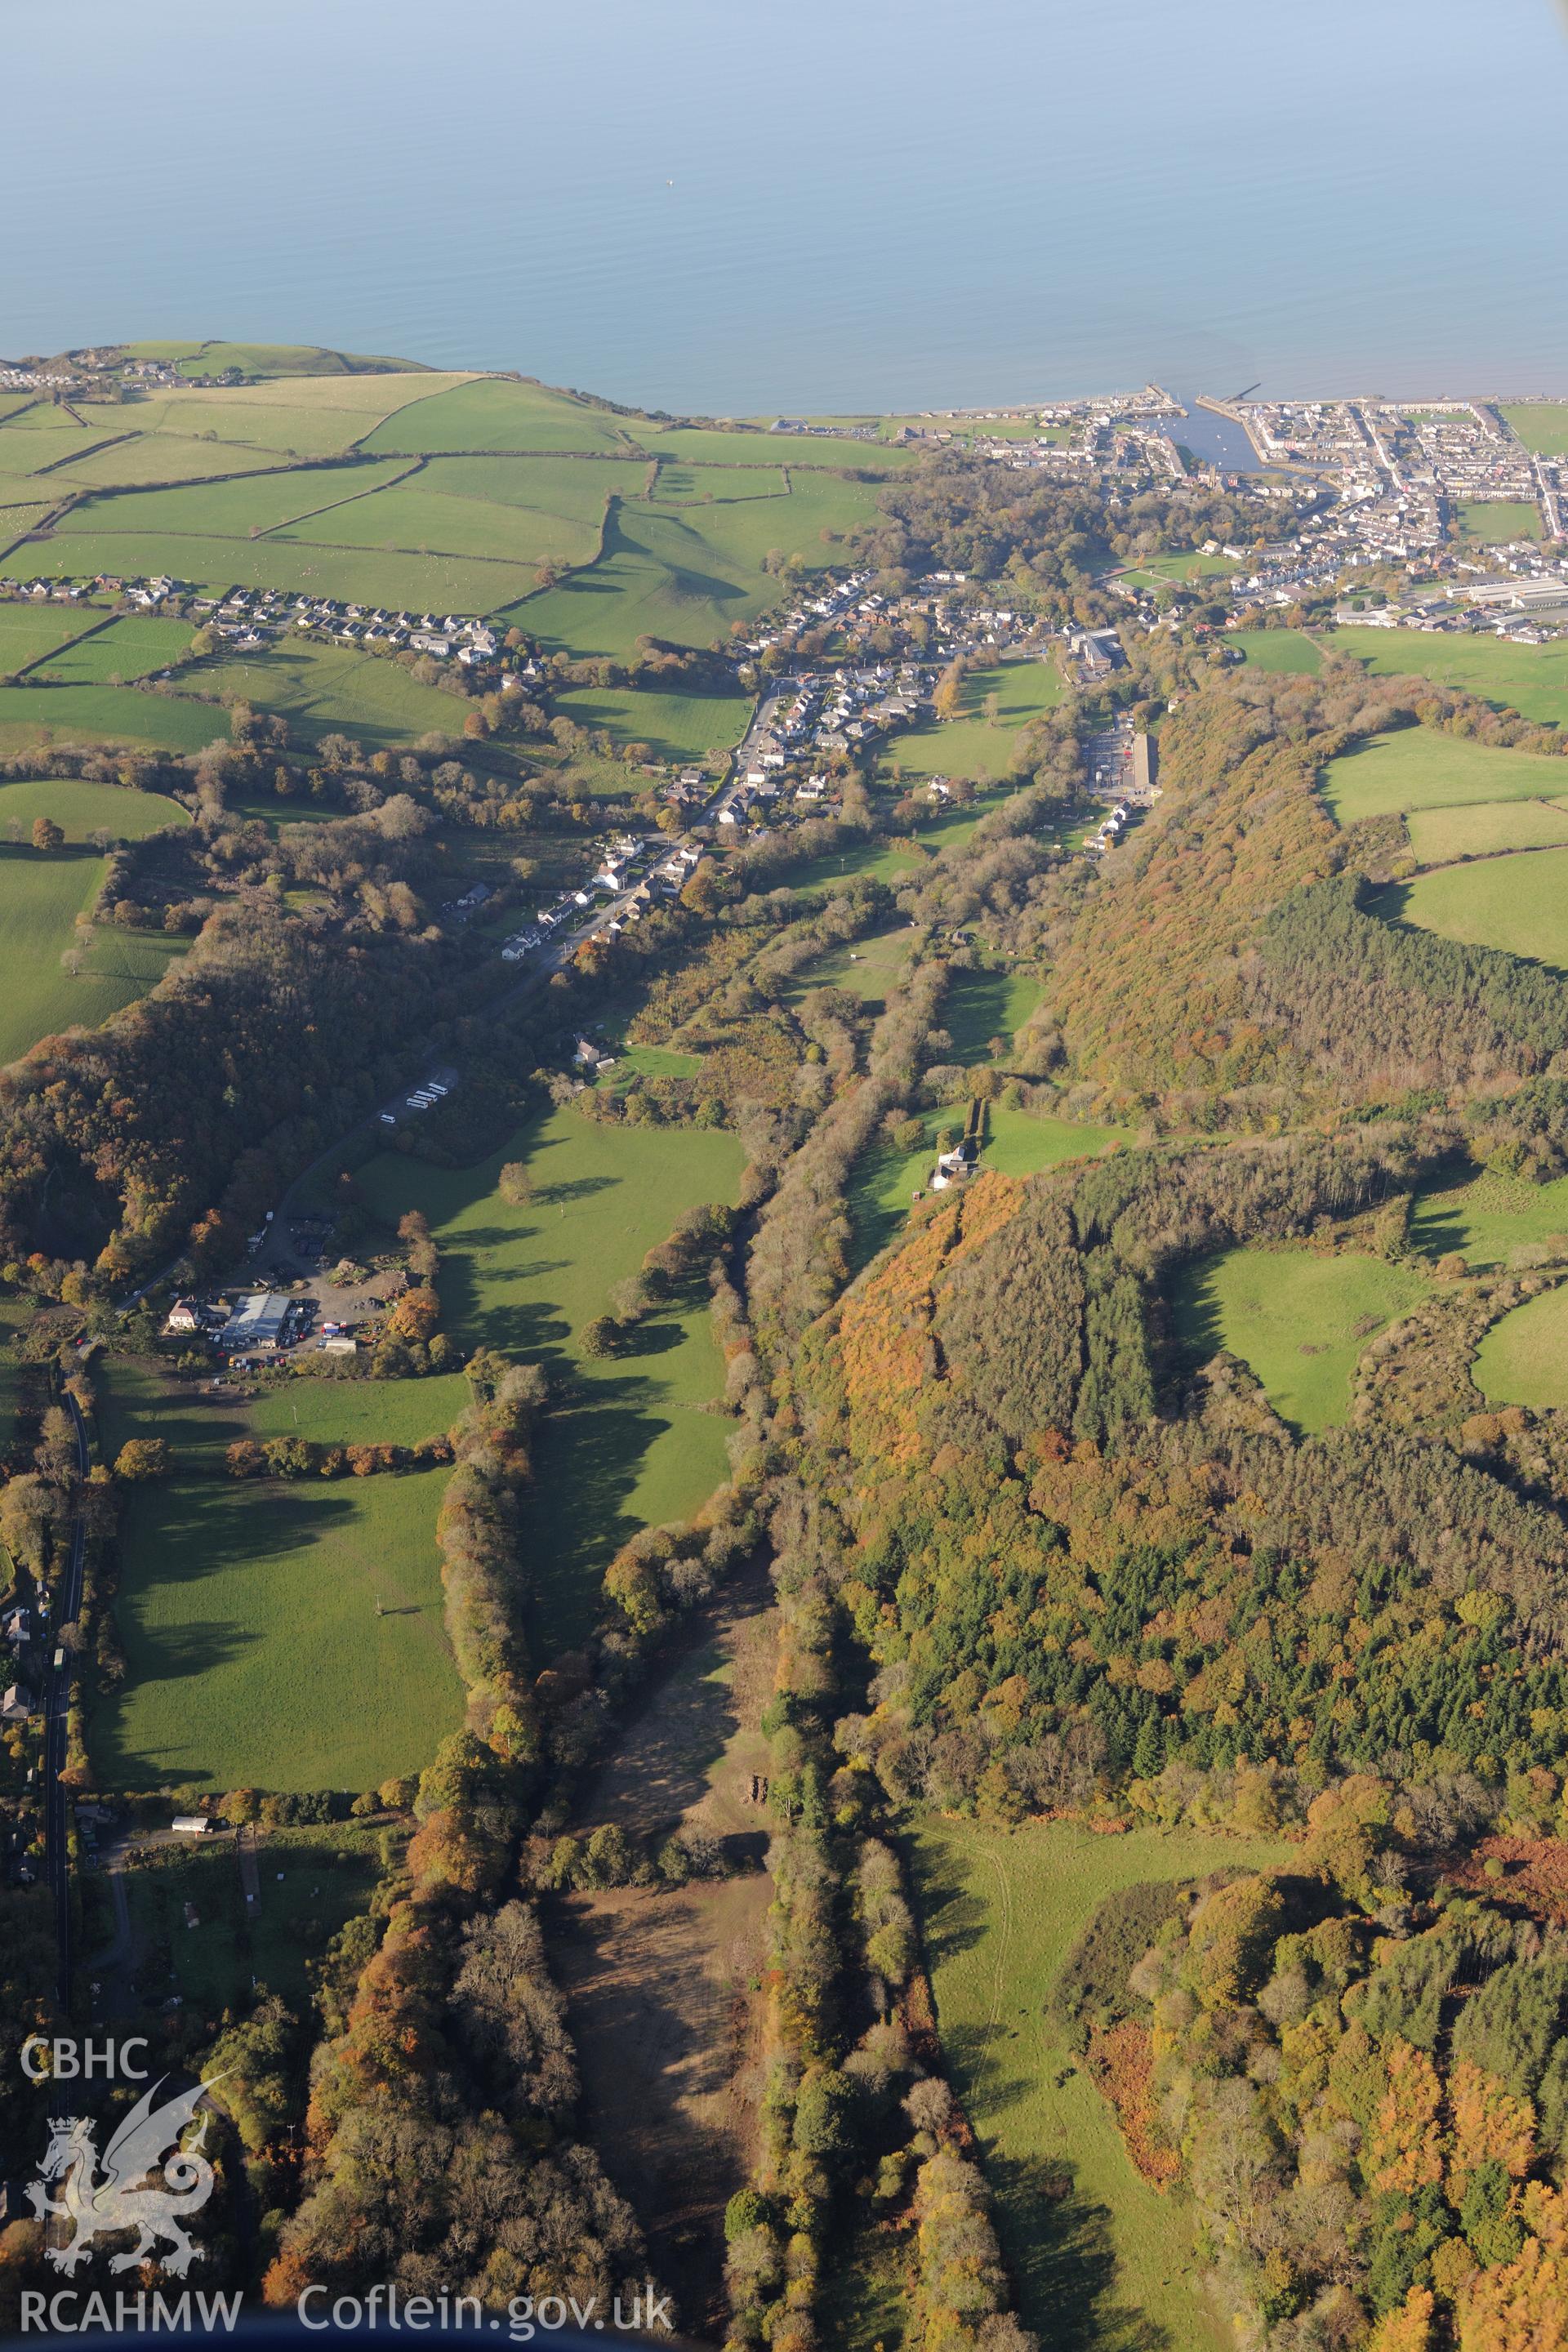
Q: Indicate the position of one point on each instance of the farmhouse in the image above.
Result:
(952, 1167)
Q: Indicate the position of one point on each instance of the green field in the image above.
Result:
(1542, 425)
(866, 967)
(1519, 904)
(1494, 522)
(16, 516)
(359, 1411)
(311, 1882)
(1523, 1360)
(1530, 679)
(873, 861)
(27, 632)
(702, 485)
(238, 509)
(701, 444)
(326, 690)
(165, 458)
(1191, 566)
(1283, 650)
(674, 726)
(972, 746)
(491, 414)
(42, 893)
(1417, 768)
(130, 649)
(1104, 2265)
(81, 808)
(1441, 836)
(205, 357)
(1490, 1219)
(1300, 1318)
(884, 1182)
(448, 494)
(632, 1445)
(440, 583)
(980, 1005)
(33, 715)
(687, 574)
(254, 1653)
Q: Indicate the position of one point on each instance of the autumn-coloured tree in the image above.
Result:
(140, 1458)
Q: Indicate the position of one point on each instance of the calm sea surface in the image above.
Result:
(718, 205)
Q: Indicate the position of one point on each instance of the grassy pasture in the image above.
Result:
(700, 484)
(884, 1182)
(1191, 565)
(80, 808)
(40, 898)
(971, 745)
(1530, 679)
(1300, 1318)
(257, 503)
(285, 360)
(255, 1655)
(358, 1411)
(237, 420)
(1492, 1218)
(980, 1005)
(1542, 425)
(41, 894)
(1286, 651)
(18, 518)
(45, 455)
(630, 1444)
(423, 584)
(706, 444)
(131, 647)
(1523, 1360)
(165, 458)
(674, 726)
(488, 413)
(876, 860)
(1518, 903)
(570, 488)
(352, 397)
(312, 1882)
(686, 573)
(867, 968)
(29, 631)
(1417, 768)
(1493, 522)
(105, 714)
(1110, 2262)
(325, 689)
(424, 522)
(1019, 1144)
(1439, 837)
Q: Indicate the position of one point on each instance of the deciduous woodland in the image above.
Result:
(907, 1480)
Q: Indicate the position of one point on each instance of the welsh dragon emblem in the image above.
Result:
(122, 2196)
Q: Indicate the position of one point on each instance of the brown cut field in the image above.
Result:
(663, 1986)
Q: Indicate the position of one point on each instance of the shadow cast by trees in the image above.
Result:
(1060, 2247)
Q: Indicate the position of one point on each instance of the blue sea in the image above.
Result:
(721, 206)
